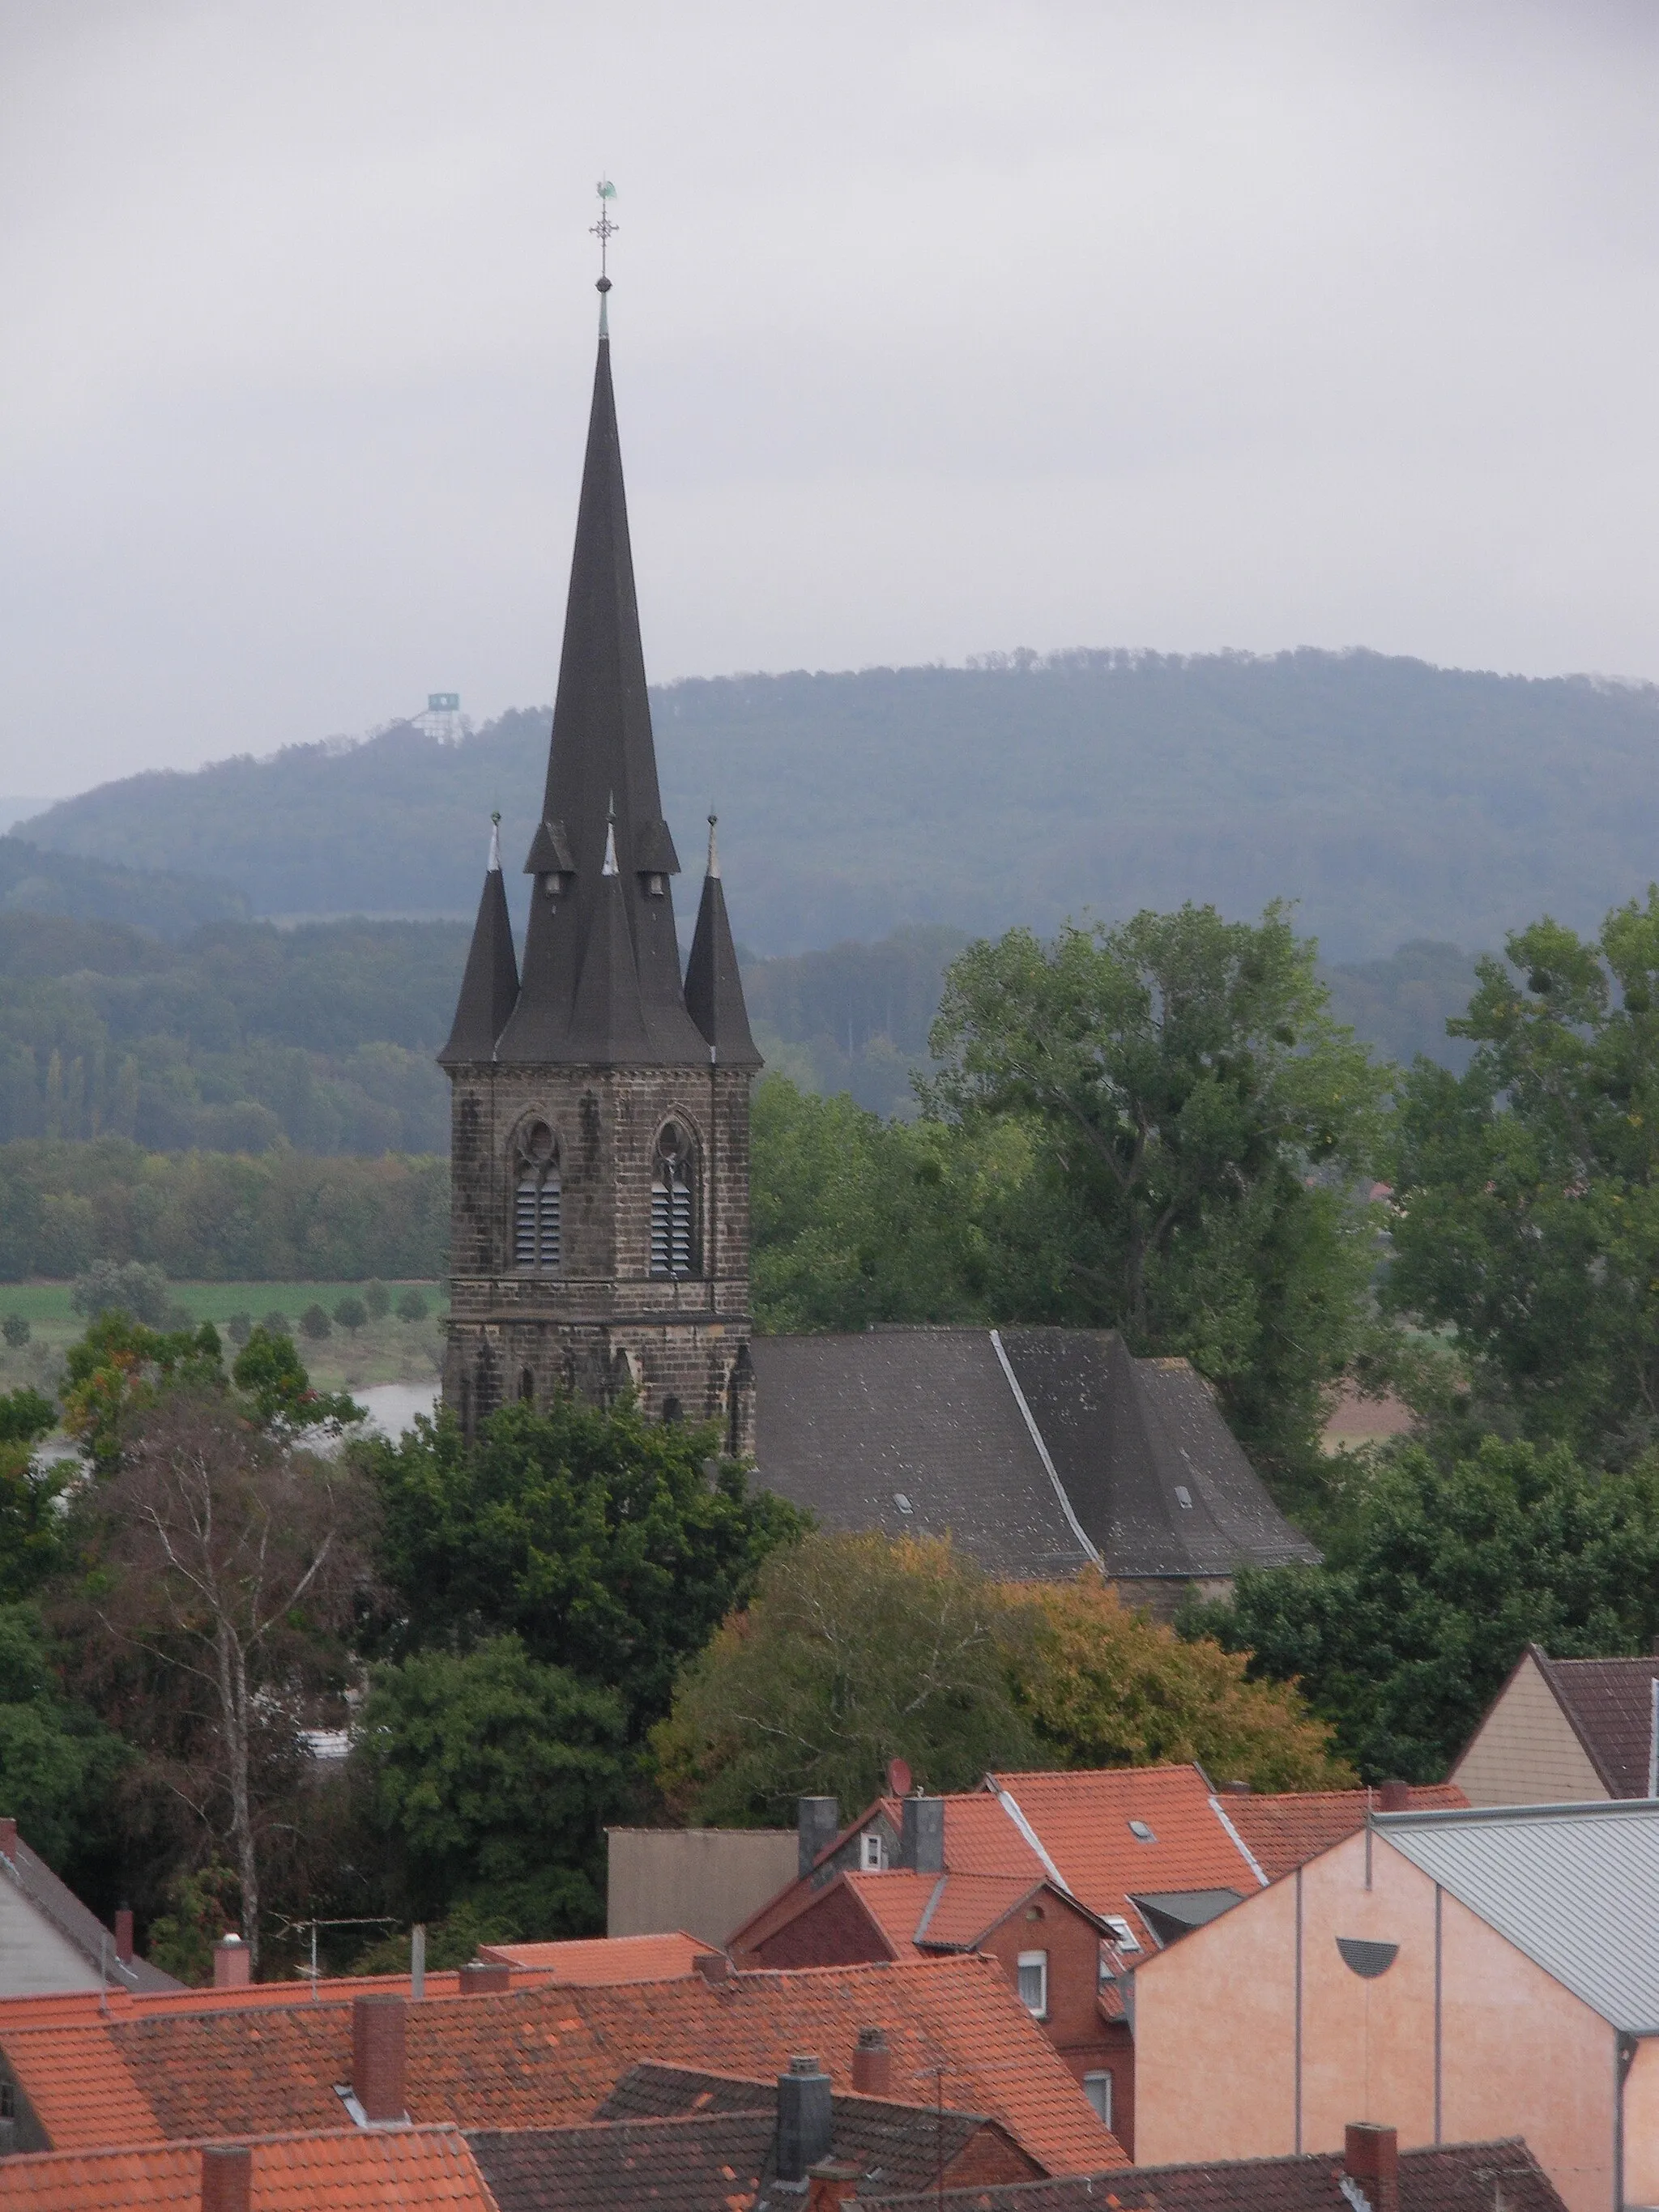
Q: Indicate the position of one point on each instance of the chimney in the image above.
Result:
(921, 1836)
(230, 1963)
(1235, 1788)
(377, 2057)
(124, 1934)
(873, 2064)
(7, 1839)
(227, 2178)
(817, 1823)
(831, 2184)
(1370, 2156)
(483, 1977)
(713, 1967)
(1396, 1797)
(804, 2119)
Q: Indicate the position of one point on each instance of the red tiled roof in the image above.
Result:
(88, 2005)
(606, 1959)
(1609, 1703)
(919, 1913)
(1284, 1832)
(427, 2169)
(705, 2162)
(544, 2057)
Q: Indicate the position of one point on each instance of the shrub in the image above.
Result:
(378, 1299)
(410, 1307)
(16, 1331)
(352, 1314)
(276, 1323)
(315, 1324)
(130, 1287)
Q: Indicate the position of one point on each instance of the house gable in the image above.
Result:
(1527, 1750)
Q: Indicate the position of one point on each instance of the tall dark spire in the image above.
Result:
(601, 786)
(490, 989)
(714, 987)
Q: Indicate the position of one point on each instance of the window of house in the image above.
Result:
(673, 1210)
(1097, 2088)
(1141, 1833)
(873, 1854)
(1122, 1935)
(536, 1202)
(1034, 1983)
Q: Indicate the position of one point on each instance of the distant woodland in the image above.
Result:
(1391, 799)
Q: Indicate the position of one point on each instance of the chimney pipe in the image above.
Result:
(831, 2184)
(804, 2118)
(377, 2057)
(484, 1976)
(873, 2064)
(230, 1963)
(1396, 1797)
(922, 1835)
(124, 1934)
(817, 1823)
(1370, 2155)
(227, 2178)
(7, 1839)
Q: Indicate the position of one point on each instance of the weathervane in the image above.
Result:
(605, 230)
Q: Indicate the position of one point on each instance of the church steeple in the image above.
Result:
(601, 962)
(490, 989)
(714, 987)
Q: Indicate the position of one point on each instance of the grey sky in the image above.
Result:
(938, 328)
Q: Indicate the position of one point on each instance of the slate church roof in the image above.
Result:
(1039, 1451)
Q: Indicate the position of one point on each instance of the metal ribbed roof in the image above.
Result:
(1572, 1886)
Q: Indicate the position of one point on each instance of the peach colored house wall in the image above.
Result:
(1216, 2031)
(1642, 2126)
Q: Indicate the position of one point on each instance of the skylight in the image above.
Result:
(903, 1501)
(1141, 1833)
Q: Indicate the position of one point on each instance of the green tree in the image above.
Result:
(315, 1322)
(1442, 1577)
(854, 1651)
(1205, 1121)
(612, 1545)
(129, 1287)
(119, 1370)
(352, 1314)
(32, 1546)
(1526, 1189)
(492, 1776)
(377, 1301)
(16, 1331)
(240, 1328)
(59, 1767)
(268, 1369)
(412, 1306)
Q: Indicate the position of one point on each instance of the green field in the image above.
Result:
(389, 1351)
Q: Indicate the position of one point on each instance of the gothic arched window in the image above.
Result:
(674, 1204)
(536, 1199)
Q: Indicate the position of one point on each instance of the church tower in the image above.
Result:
(599, 1109)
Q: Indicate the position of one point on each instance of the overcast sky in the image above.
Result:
(939, 328)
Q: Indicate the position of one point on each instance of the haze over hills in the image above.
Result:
(1393, 800)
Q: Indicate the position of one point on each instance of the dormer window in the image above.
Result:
(673, 1206)
(536, 1202)
(656, 886)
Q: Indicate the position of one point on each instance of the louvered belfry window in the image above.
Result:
(673, 1206)
(536, 1202)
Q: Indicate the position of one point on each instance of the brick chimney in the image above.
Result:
(817, 1823)
(485, 1977)
(227, 2178)
(124, 1934)
(873, 2064)
(922, 1834)
(1396, 1797)
(713, 1967)
(1370, 2157)
(7, 1839)
(230, 1963)
(804, 2118)
(831, 2184)
(377, 2057)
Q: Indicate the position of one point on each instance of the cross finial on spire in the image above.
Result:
(605, 230)
(714, 854)
(495, 844)
(610, 867)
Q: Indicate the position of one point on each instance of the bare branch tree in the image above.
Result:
(231, 1564)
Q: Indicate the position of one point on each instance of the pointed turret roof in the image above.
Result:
(713, 988)
(602, 798)
(489, 987)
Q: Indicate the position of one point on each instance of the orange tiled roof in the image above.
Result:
(544, 2057)
(429, 2169)
(67, 2007)
(606, 1959)
(1284, 1831)
(922, 1912)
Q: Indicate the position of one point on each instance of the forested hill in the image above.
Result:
(1392, 799)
